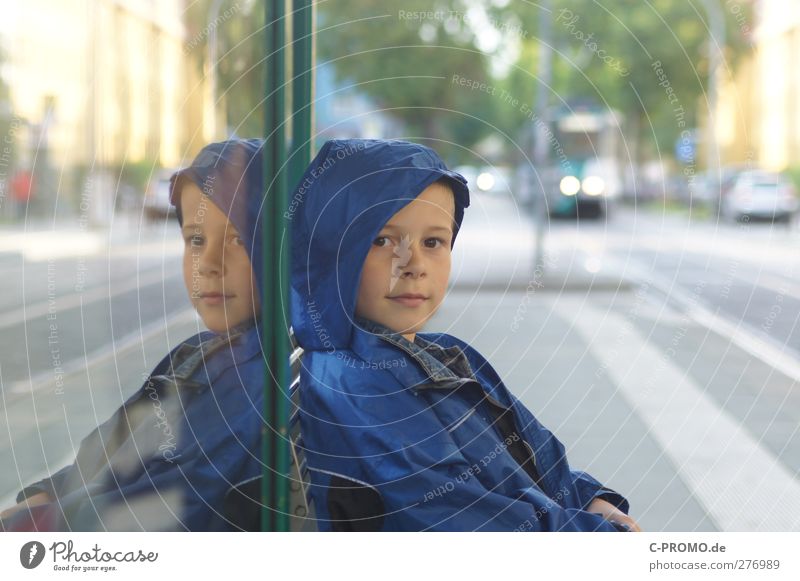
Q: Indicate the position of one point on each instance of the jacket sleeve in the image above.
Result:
(163, 498)
(153, 503)
(180, 493)
(89, 450)
(50, 485)
(424, 482)
(92, 453)
(93, 449)
(450, 503)
(587, 486)
(589, 489)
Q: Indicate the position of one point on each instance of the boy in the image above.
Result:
(172, 455)
(406, 430)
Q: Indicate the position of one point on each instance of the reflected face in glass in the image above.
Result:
(216, 267)
(405, 274)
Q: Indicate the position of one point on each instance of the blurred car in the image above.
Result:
(494, 180)
(156, 199)
(760, 194)
(709, 187)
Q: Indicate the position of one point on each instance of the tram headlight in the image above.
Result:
(570, 185)
(593, 186)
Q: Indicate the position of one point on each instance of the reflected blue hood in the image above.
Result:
(345, 197)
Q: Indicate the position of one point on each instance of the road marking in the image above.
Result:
(776, 355)
(51, 244)
(70, 301)
(780, 283)
(113, 348)
(742, 485)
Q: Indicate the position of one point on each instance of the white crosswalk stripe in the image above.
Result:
(742, 485)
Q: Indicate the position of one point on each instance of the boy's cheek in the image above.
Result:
(191, 277)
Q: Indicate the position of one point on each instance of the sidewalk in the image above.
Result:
(38, 240)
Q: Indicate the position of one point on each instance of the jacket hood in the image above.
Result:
(230, 173)
(345, 197)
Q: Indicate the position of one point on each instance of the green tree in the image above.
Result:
(606, 52)
(647, 59)
(239, 26)
(405, 56)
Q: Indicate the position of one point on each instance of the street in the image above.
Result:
(662, 351)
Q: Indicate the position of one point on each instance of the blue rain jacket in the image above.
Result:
(394, 438)
(176, 454)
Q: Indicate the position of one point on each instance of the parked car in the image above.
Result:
(156, 199)
(760, 194)
(709, 187)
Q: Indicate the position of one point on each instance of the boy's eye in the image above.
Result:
(434, 242)
(237, 240)
(381, 241)
(194, 240)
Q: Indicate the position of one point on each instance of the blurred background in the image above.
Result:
(629, 261)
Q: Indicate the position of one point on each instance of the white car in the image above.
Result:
(760, 194)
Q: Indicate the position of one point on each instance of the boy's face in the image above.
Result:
(216, 267)
(405, 274)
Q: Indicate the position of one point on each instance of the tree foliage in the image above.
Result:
(405, 56)
(607, 52)
(647, 59)
(239, 25)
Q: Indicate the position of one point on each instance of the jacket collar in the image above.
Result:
(238, 345)
(374, 342)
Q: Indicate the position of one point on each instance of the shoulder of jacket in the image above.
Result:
(187, 344)
(343, 372)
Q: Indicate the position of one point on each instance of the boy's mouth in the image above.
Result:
(212, 298)
(409, 299)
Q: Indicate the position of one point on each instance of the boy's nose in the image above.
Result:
(211, 263)
(413, 266)
(412, 272)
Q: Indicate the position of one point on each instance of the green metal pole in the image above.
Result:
(275, 434)
(276, 238)
(302, 69)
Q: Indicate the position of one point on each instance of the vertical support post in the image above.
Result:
(275, 434)
(276, 237)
